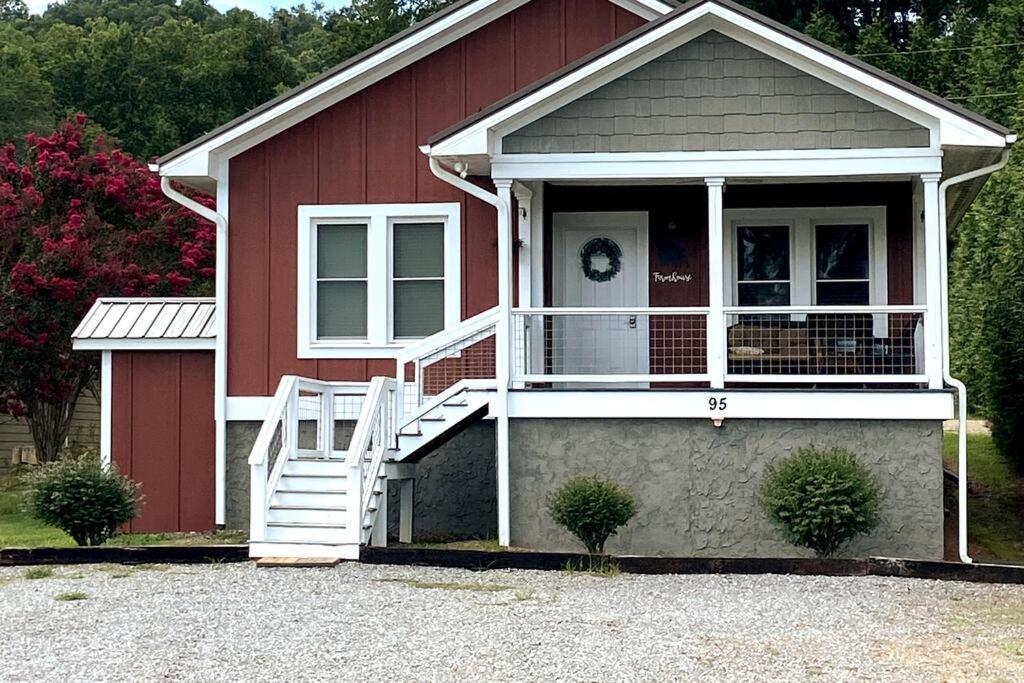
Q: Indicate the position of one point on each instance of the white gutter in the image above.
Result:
(961, 389)
(220, 365)
(499, 407)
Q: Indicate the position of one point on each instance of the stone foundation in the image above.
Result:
(696, 485)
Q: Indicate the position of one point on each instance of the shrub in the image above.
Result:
(82, 497)
(821, 499)
(591, 509)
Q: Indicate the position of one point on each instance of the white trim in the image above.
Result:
(801, 222)
(106, 406)
(197, 162)
(205, 344)
(243, 408)
(818, 163)
(742, 404)
(715, 335)
(379, 219)
(933, 323)
(483, 137)
(524, 202)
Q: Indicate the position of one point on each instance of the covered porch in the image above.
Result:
(799, 283)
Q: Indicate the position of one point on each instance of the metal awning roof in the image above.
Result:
(180, 323)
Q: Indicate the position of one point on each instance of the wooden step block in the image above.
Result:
(297, 562)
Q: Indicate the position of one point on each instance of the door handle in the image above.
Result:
(632, 322)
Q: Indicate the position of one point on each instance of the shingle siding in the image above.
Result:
(715, 94)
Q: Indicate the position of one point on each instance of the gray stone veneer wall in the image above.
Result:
(715, 93)
(696, 485)
(455, 490)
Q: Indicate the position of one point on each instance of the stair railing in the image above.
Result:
(280, 429)
(434, 364)
(375, 432)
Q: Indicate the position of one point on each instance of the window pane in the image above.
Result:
(763, 252)
(340, 251)
(341, 309)
(843, 293)
(842, 252)
(766, 294)
(419, 249)
(419, 308)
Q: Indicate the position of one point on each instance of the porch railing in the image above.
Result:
(783, 345)
(842, 344)
(429, 367)
(609, 345)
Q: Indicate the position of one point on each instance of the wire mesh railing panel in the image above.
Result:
(664, 346)
(471, 357)
(823, 342)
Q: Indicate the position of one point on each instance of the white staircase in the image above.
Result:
(310, 499)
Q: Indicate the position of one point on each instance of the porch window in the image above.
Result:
(371, 277)
(763, 265)
(842, 271)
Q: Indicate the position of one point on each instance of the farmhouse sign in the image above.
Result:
(672, 277)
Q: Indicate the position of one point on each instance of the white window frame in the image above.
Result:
(379, 219)
(803, 291)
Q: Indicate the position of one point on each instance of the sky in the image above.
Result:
(262, 7)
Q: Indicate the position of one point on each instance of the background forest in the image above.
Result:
(153, 74)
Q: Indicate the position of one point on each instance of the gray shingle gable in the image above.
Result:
(715, 94)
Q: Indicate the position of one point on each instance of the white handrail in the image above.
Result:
(374, 433)
(261, 447)
(610, 310)
(824, 309)
(448, 336)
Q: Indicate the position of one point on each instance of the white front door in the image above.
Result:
(600, 261)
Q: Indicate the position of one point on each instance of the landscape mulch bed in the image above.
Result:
(481, 560)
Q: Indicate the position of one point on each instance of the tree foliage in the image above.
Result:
(79, 220)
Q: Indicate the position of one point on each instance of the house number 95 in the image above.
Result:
(716, 403)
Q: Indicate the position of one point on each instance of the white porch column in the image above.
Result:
(933, 281)
(503, 359)
(524, 199)
(716, 296)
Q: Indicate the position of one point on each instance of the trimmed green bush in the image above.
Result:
(591, 509)
(821, 499)
(83, 498)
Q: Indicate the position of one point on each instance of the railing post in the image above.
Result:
(503, 356)
(716, 297)
(258, 502)
(933, 281)
(327, 415)
(399, 413)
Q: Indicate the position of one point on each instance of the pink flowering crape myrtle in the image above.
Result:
(79, 220)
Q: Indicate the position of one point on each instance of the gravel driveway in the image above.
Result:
(361, 622)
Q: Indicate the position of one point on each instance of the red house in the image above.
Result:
(529, 239)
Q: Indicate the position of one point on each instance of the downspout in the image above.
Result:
(503, 360)
(961, 389)
(220, 354)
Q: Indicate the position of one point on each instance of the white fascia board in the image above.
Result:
(948, 128)
(144, 344)
(698, 165)
(739, 404)
(197, 162)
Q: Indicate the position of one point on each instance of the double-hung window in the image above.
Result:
(372, 277)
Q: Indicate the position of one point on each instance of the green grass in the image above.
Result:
(995, 504)
(447, 586)
(71, 596)
(19, 530)
(38, 573)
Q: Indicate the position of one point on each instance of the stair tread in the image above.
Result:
(325, 508)
(432, 419)
(314, 491)
(311, 525)
(313, 476)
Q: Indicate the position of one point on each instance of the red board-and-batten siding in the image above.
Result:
(365, 150)
(164, 436)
